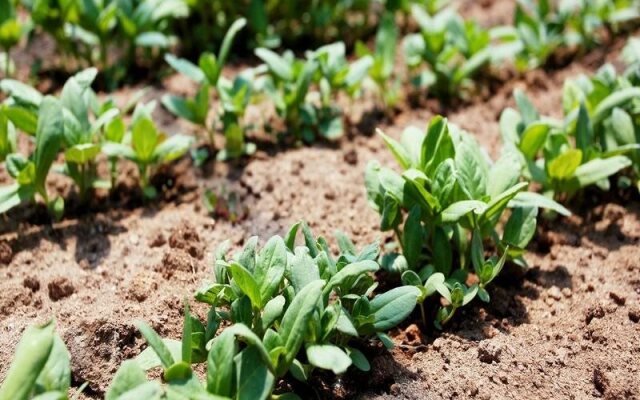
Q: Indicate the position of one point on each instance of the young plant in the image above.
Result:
(30, 174)
(40, 368)
(11, 31)
(288, 82)
(337, 75)
(147, 147)
(603, 114)
(455, 51)
(446, 209)
(234, 96)
(384, 59)
(564, 157)
(303, 299)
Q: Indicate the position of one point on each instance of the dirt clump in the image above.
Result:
(59, 288)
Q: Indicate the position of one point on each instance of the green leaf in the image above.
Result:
(584, 130)
(532, 199)
(29, 359)
(533, 138)
(358, 359)
(243, 278)
(437, 146)
(22, 93)
(220, 365)
(185, 67)
(527, 109)
(144, 138)
(129, 377)
(23, 119)
(598, 169)
(296, 319)
(399, 152)
(565, 165)
(56, 373)
(350, 271)
(82, 153)
(270, 268)
(459, 209)
(254, 380)
(413, 237)
(156, 343)
(48, 138)
(521, 226)
(303, 269)
(392, 307)
(329, 357)
(276, 64)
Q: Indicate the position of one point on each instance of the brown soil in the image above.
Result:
(568, 329)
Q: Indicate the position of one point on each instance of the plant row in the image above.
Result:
(458, 217)
(89, 132)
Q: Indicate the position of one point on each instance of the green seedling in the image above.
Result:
(445, 207)
(567, 156)
(30, 174)
(234, 95)
(455, 51)
(384, 58)
(40, 368)
(302, 299)
(337, 75)
(11, 31)
(288, 82)
(146, 146)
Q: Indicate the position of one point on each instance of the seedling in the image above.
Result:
(11, 31)
(148, 147)
(234, 96)
(288, 84)
(445, 209)
(384, 58)
(30, 174)
(547, 152)
(455, 51)
(40, 367)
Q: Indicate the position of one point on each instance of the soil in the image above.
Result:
(569, 328)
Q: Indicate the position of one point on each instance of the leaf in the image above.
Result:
(276, 64)
(532, 199)
(533, 138)
(156, 343)
(598, 169)
(442, 252)
(294, 324)
(565, 165)
(272, 311)
(413, 237)
(180, 107)
(437, 146)
(521, 226)
(243, 278)
(254, 380)
(23, 119)
(350, 271)
(144, 139)
(509, 121)
(472, 167)
(270, 267)
(303, 269)
(392, 307)
(328, 357)
(504, 174)
(225, 48)
(56, 373)
(358, 359)
(185, 67)
(48, 138)
(22, 93)
(399, 151)
(584, 130)
(459, 209)
(29, 359)
(82, 153)
(220, 365)
(527, 109)
(128, 377)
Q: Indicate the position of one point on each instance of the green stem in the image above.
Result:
(424, 315)
(7, 69)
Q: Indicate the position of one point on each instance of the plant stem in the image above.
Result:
(7, 63)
